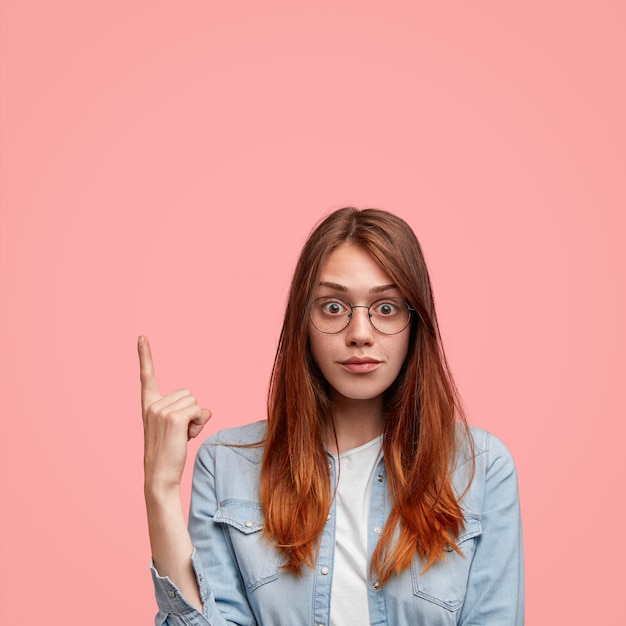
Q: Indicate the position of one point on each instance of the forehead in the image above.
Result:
(353, 267)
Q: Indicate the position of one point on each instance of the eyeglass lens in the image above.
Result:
(331, 314)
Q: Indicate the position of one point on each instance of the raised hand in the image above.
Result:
(169, 422)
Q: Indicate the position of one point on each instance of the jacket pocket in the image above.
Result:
(259, 562)
(445, 582)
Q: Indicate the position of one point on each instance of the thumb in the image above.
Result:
(196, 426)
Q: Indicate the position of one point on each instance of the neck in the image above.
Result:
(356, 423)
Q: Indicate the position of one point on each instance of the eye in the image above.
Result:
(385, 308)
(332, 306)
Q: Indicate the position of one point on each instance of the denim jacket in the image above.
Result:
(240, 577)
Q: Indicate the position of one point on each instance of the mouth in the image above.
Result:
(360, 365)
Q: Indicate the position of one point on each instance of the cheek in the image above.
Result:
(401, 351)
(316, 346)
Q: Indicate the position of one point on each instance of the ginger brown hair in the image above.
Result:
(422, 411)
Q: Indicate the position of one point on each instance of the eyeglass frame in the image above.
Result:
(361, 306)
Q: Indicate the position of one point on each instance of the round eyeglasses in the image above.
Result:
(388, 316)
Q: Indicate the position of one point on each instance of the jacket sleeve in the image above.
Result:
(495, 592)
(219, 581)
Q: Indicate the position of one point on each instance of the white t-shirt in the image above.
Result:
(356, 467)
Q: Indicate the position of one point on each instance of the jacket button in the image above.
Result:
(376, 585)
(377, 529)
(248, 524)
(379, 478)
(324, 570)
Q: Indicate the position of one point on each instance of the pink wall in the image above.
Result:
(162, 164)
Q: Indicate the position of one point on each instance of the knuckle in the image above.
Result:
(152, 412)
(170, 415)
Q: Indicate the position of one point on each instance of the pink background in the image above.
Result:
(162, 164)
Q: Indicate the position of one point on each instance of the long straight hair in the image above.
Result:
(422, 410)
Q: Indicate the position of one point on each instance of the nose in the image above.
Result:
(360, 330)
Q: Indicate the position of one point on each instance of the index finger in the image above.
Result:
(149, 387)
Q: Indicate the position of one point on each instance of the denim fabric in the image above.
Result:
(240, 577)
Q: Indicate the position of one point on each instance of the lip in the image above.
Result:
(360, 365)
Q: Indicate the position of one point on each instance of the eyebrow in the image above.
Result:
(344, 289)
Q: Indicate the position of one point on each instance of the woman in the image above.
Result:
(364, 498)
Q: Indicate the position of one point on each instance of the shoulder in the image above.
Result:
(481, 445)
(246, 442)
(227, 467)
(491, 453)
(239, 435)
(492, 475)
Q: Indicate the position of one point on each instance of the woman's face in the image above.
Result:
(359, 363)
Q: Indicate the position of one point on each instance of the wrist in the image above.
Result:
(160, 492)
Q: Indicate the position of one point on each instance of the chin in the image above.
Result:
(358, 394)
